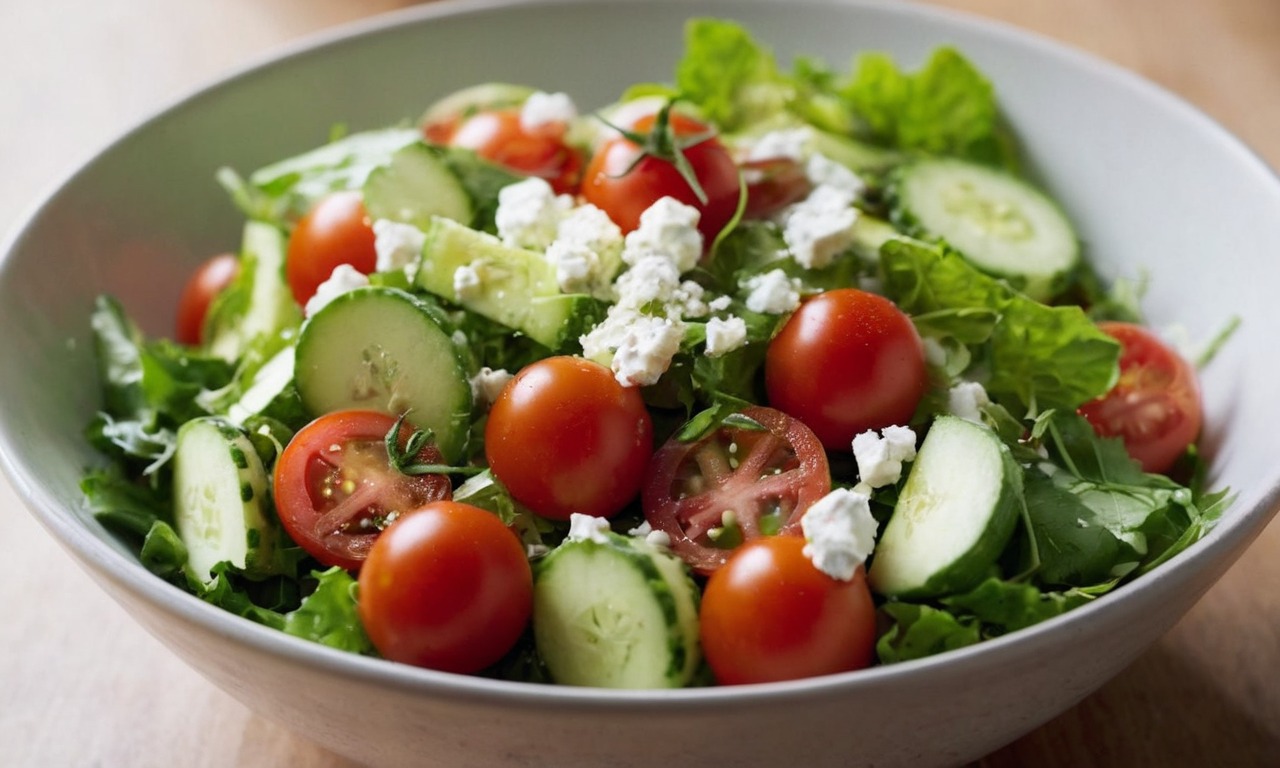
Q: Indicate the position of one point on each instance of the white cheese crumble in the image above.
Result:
(839, 532)
(542, 109)
(467, 282)
(646, 350)
(725, 335)
(588, 528)
(823, 171)
(586, 251)
(820, 226)
(344, 278)
(397, 245)
(719, 303)
(772, 293)
(966, 400)
(645, 531)
(670, 228)
(788, 143)
(880, 457)
(529, 213)
(488, 383)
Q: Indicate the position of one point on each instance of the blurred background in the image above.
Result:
(81, 685)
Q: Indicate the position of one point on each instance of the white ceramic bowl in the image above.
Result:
(1151, 183)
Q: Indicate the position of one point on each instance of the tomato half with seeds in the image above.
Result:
(743, 481)
(336, 488)
(770, 615)
(1155, 405)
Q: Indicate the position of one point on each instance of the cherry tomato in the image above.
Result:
(845, 362)
(564, 436)
(335, 231)
(770, 615)
(336, 489)
(448, 587)
(204, 285)
(624, 179)
(772, 185)
(498, 136)
(765, 478)
(1155, 406)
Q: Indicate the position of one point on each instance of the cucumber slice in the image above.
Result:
(414, 187)
(219, 498)
(384, 349)
(270, 392)
(954, 516)
(518, 287)
(1001, 224)
(615, 613)
(259, 301)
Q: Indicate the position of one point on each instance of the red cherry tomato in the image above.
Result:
(335, 231)
(766, 478)
(845, 362)
(770, 615)
(204, 285)
(772, 185)
(564, 436)
(1155, 406)
(498, 136)
(623, 181)
(336, 489)
(447, 587)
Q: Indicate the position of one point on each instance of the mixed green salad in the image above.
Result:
(760, 374)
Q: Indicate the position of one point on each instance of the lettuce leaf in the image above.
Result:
(728, 75)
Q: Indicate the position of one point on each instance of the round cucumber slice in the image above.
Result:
(999, 223)
(383, 349)
(954, 516)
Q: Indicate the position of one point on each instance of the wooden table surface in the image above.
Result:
(82, 685)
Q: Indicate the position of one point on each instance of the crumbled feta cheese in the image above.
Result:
(529, 213)
(966, 400)
(880, 457)
(771, 293)
(542, 109)
(659, 539)
(719, 303)
(820, 226)
(344, 278)
(839, 533)
(825, 172)
(646, 350)
(397, 245)
(488, 383)
(652, 279)
(598, 343)
(788, 143)
(588, 528)
(467, 282)
(670, 228)
(586, 251)
(725, 335)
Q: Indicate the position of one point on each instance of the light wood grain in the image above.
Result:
(82, 685)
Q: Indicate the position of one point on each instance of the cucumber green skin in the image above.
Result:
(338, 330)
(969, 568)
(259, 301)
(668, 585)
(527, 299)
(253, 516)
(415, 186)
(1037, 283)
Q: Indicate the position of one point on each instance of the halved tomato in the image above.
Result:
(336, 488)
(736, 484)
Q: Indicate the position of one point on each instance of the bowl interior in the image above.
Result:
(1154, 187)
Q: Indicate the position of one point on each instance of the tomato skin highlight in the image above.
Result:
(564, 436)
(498, 136)
(847, 361)
(334, 479)
(623, 184)
(1155, 405)
(782, 470)
(204, 285)
(768, 614)
(335, 231)
(447, 587)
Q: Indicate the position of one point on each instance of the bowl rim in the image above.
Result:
(1239, 526)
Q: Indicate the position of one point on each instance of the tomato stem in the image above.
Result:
(662, 143)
